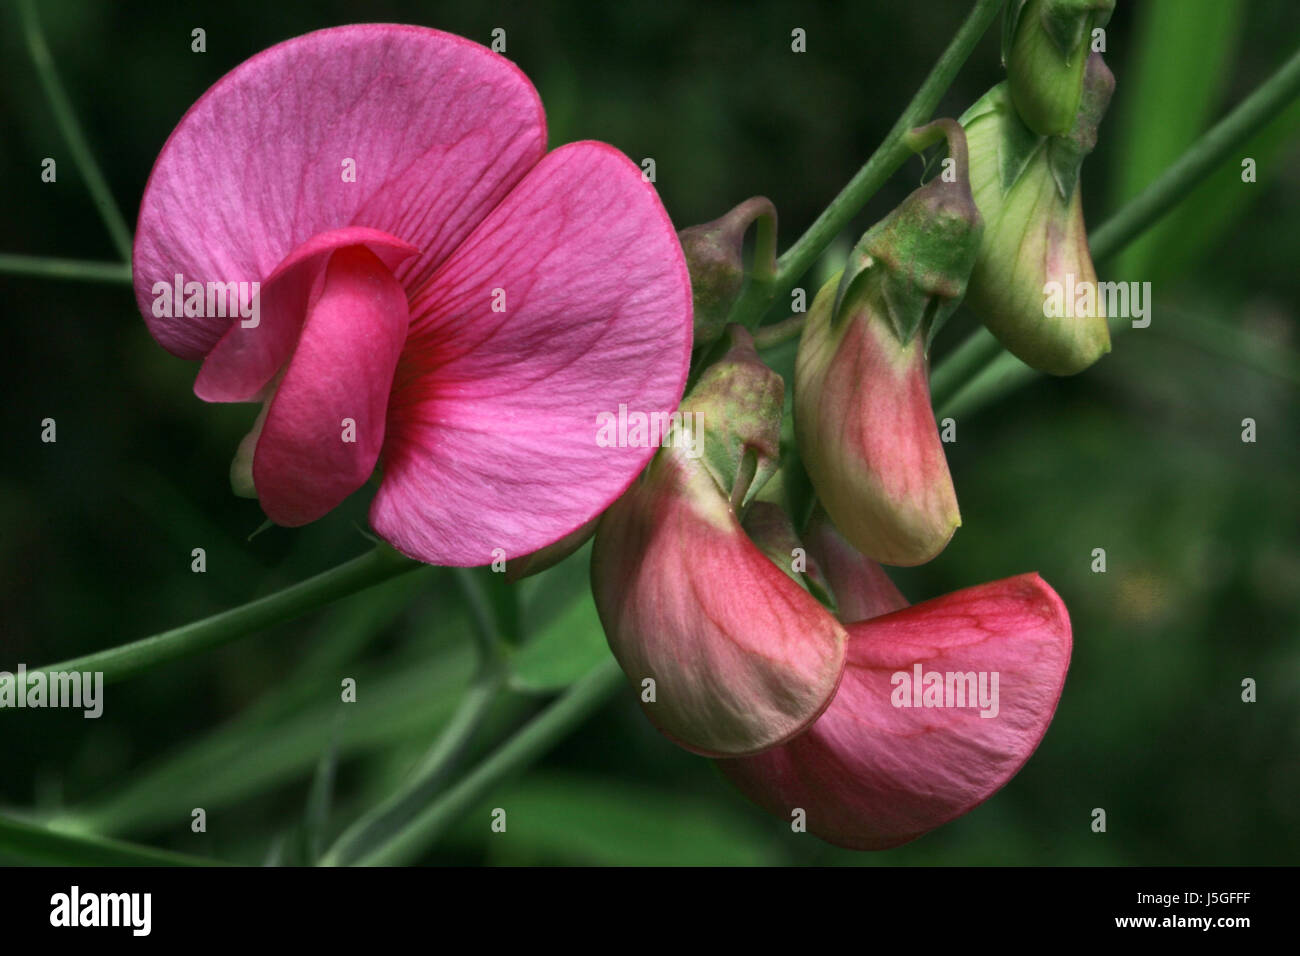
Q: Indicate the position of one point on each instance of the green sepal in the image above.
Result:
(1065, 154)
(737, 405)
(913, 265)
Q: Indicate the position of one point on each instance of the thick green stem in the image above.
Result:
(78, 270)
(126, 660)
(71, 131)
(536, 738)
(882, 164)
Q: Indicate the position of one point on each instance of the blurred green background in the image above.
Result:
(1142, 456)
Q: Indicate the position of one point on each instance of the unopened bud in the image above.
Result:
(715, 257)
(1045, 46)
(1035, 240)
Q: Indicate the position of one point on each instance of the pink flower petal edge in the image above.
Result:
(434, 129)
(871, 775)
(494, 417)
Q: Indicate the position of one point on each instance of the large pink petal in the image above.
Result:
(494, 419)
(247, 358)
(439, 128)
(742, 657)
(871, 775)
(325, 425)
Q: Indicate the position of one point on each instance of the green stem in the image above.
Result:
(127, 660)
(962, 364)
(882, 164)
(778, 333)
(387, 818)
(430, 775)
(529, 744)
(71, 130)
(978, 372)
(78, 270)
(24, 842)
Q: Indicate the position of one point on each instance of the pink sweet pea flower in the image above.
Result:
(436, 291)
(892, 758)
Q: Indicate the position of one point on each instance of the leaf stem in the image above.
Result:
(32, 843)
(1200, 159)
(778, 333)
(127, 660)
(78, 270)
(532, 741)
(71, 130)
(426, 779)
(387, 818)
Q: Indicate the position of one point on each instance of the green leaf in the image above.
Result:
(22, 842)
(320, 799)
(233, 763)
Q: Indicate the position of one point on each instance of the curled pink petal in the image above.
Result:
(247, 358)
(741, 657)
(410, 131)
(570, 300)
(871, 775)
(325, 424)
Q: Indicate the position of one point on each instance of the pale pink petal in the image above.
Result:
(868, 437)
(240, 365)
(742, 658)
(325, 425)
(871, 775)
(438, 128)
(494, 421)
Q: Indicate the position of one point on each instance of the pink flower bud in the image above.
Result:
(867, 435)
(729, 655)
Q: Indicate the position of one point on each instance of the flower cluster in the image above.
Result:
(444, 305)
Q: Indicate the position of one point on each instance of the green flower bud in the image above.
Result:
(1045, 44)
(1026, 186)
